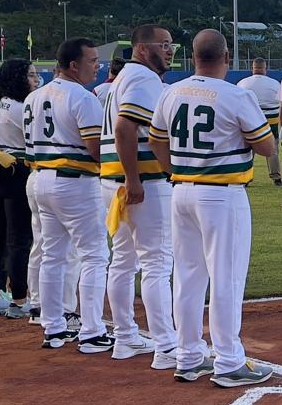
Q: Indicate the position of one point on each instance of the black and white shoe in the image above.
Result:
(57, 340)
(73, 320)
(96, 344)
(34, 318)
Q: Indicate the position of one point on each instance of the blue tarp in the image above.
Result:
(170, 77)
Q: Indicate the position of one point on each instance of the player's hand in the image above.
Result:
(135, 192)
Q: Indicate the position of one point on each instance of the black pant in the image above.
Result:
(18, 227)
(3, 272)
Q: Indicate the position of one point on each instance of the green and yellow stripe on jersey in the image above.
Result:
(159, 135)
(135, 112)
(148, 167)
(93, 132)
(83, 164)
(229, 167)
(259, 134)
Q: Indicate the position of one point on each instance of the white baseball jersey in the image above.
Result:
(101, 92)
(267, 91)
(11, 134)
(57, 119)
(280, 92)
(194, 115)
(133, 94)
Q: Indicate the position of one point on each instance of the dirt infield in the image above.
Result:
(30, 375)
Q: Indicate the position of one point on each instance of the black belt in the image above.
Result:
(119, 180)
(62, 173)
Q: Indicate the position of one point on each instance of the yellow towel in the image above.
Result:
(6, 160)
(117, 212)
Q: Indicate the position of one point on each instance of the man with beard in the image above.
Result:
(127, 160)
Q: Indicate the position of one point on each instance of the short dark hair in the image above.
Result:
(144, 33)
(116, 65)
(71, 50)
(13, 79)
(259, 62)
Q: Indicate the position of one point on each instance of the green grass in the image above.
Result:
(265, 274)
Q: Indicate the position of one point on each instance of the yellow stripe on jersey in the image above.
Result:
(63, 163)
(156, 134)
(90, 132)
(230, 178)
(273, 121)
(111, 169)
(135, 111)
(258, 134)
(158, 139)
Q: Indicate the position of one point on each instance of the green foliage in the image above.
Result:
(265, 276)
(183, 19)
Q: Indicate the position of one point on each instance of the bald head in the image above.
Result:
(209, 47)
(259, 66)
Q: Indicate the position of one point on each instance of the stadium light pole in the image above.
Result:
(235, 45)
(106, 17)
(221, 18)
(64, 4)
(220, 23)
(179, 18)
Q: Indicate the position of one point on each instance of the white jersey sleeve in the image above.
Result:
(158, 128)
(280, 93)
(139, 101)
(16, 114)
(89, 116)
(253, 123)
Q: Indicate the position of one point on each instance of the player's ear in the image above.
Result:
(141, 48)
(226, 58)
(193, 59)
(74, 65)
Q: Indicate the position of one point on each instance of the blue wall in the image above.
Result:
(232, 76)
(171, 77)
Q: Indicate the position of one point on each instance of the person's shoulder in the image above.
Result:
(245, 81)
(11, 105)
(138, 69)
(273, 81)
(102, 86)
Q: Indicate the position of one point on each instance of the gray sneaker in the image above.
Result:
(250, 373)
(194, 373)
(16, 312)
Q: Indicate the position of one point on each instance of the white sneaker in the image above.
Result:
(164, 361)
(4, 302)
(141, 346)
(3, 305)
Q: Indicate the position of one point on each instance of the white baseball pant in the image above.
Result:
(148, 236)
(72, 208)
(72, 265)
(211, 231)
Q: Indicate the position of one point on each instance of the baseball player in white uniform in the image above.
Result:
(267, 91)
(205, 137)
(127, 159)
(102, 89)
(71, 272)
(62, 130)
